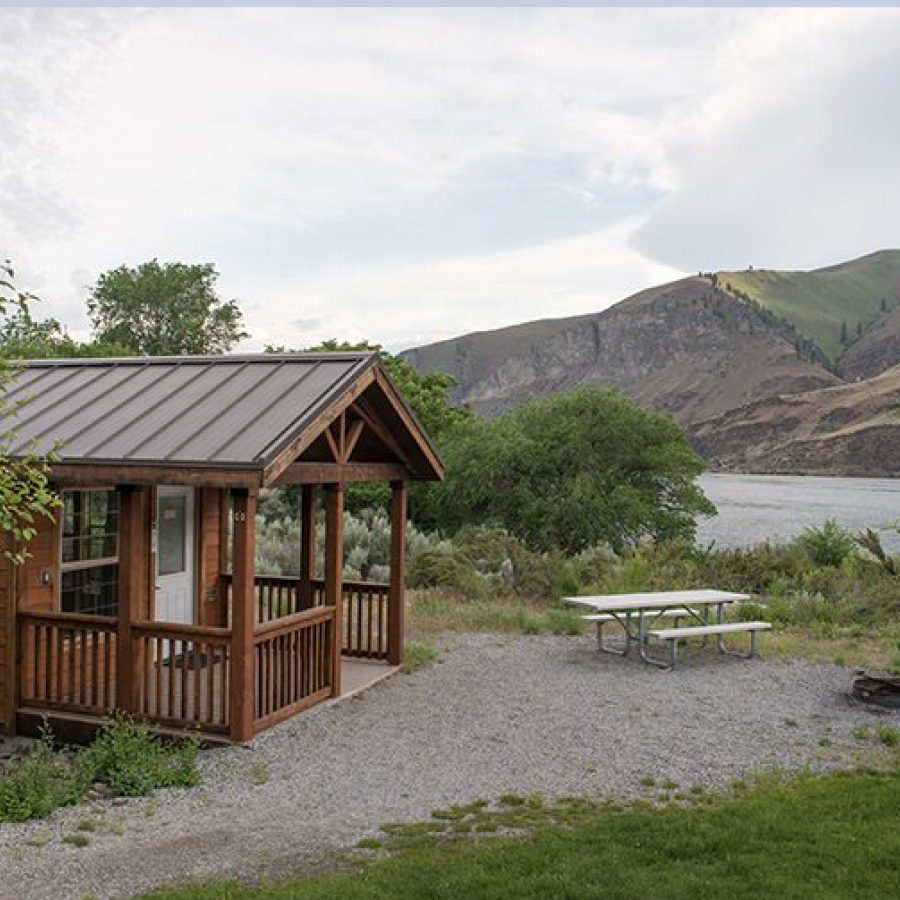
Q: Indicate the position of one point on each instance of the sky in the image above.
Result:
(409, 175)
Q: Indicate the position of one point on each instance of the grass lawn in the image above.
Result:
(832, 836)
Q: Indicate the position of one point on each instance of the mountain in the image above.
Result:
(826, 304)
(688, 348)
(876, 350)
(850, 429)
(753, 357)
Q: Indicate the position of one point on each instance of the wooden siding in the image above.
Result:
(211, 606)
(44, 550)
(7, 630)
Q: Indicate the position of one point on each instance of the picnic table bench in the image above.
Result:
(639, 613)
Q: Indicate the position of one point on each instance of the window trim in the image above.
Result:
(83, 564)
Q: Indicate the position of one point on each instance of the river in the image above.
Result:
(754, 508)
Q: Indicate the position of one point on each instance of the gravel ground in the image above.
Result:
(497, 714)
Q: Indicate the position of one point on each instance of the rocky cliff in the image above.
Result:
(850, 429)
(687, 348)
(769, 371)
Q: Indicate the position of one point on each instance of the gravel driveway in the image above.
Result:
(497, 714)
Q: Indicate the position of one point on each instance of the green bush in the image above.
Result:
(133, 762)
(367, 540)
(827, 545)
(39, 783)
(568, 472)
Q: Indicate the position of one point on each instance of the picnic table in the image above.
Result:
(640, 615)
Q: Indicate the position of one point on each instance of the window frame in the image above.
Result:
(82, 565)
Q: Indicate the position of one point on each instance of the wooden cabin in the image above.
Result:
(142, 596)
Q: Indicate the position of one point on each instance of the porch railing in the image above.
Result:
(293, 660)
(365, 631)
(67, 662)
(182, 674)
(365, 625)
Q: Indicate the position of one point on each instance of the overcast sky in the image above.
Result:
(406, 175)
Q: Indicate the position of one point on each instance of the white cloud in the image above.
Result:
(308, 152)
(792, 161)
(408, 305)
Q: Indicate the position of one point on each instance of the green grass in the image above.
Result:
(77, 840)
(416, 656)
(816, 836)
(435, 611)
(818, 302)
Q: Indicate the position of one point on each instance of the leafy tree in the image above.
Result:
(27, 338)
(25, 494)
(568, 472)
(164, 310)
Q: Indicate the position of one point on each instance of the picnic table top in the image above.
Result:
(656, 599)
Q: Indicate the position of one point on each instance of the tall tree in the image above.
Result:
(164, 309)
(567, 472)
(25, 494)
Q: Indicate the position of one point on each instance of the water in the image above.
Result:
(754, 508)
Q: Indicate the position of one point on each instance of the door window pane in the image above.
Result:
(171, 529)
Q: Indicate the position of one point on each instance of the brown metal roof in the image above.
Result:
(236, 412)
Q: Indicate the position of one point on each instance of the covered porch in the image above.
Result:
(181, 674)
(257, 648)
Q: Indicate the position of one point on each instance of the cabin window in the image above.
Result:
(89, 570)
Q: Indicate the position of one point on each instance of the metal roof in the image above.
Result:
(222, 411)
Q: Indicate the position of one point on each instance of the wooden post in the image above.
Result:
(397, 590)
(224, 604)
(334, 568)
(307, 545)
(13, 699)
(243, 616)
(131, 570)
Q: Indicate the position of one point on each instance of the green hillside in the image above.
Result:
(819, 302)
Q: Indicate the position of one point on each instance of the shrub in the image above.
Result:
(367, 541)
(827, 545)
(39, 783)
(127, 757)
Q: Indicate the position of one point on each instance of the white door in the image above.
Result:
(175, 554)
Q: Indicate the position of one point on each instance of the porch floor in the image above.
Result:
(359, 674)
